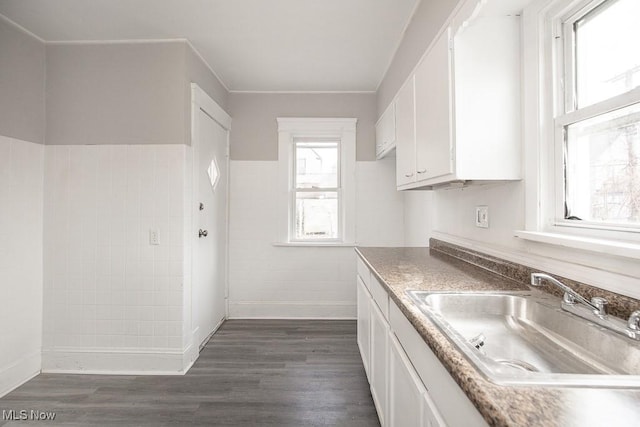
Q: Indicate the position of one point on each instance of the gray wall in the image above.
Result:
(254, 133)
(427, 20)
(22, 79)
(198, 72)
(115, 93)
(124, 93)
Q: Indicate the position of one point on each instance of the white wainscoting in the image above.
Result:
(112, 301)
(19, 372)
(267, 281)
(21, 213)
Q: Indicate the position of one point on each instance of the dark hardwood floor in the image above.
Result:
(251, 373)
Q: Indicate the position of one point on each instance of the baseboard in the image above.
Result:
(290, 318)
(117, 362)
(211, 334)
(14, 375)
(292, 310)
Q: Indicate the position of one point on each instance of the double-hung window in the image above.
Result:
(582, 124)
(597, 115)
(316, 190)
(316, 181)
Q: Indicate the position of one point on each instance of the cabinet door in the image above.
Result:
(405, 135)
(430, 415)
(379, 361)
(386, 131)
(434, 111)
(364, 324)
(406, 392)
(451, 401)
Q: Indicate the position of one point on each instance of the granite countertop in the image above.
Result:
(399, 269)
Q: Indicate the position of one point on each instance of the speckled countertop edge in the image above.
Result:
(399, 269)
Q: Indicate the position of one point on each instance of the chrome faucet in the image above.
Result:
(596, 311)
(634, 321)
(598, 305)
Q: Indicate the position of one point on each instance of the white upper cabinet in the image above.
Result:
(405, 135)
(487, 98)
(465, 121)
(386, 132)
(434, 155)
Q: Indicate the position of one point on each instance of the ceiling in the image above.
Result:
(253, 45)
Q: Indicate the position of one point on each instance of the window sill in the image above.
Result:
(604, 246)
(316, 244)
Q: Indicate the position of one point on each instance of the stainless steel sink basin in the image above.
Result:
(525, 338)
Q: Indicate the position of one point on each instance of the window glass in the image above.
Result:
(316, 215)
(603, 168)
(607, 51)
(316, 165)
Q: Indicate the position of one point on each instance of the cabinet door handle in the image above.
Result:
(422, 171)
(408, 175)
(202, 233)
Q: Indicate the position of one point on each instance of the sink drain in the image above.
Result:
(518, 364)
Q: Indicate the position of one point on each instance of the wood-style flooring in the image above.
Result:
(251, 373)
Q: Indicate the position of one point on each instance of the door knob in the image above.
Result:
(202, 233)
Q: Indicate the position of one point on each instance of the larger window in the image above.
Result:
(317, 181)
(597, 119)
(316, 190)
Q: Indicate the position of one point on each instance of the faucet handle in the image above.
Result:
(634, 321)
(568, 298)
(600, 304)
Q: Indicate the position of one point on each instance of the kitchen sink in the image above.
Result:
(526, 338)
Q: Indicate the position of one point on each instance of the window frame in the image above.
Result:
(547, 110)
(292, 130)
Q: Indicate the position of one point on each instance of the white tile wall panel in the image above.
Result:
(380, 207)
(275, 281)
(21, 280)
(106, 288)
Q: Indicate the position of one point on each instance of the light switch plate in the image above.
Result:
(482, 216)
(154, 236)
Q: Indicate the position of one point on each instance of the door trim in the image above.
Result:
(200, 98)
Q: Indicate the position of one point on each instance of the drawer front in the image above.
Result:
(363, 272)
(380, 296)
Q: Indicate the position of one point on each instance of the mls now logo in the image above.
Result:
(27, 415)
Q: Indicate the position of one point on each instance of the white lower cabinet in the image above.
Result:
(430, 415)
(379, 363)
(406, 392)
(445, 402)
(410, 404)
(364, 325)
(409, 385)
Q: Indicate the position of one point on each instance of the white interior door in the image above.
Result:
(210, 144)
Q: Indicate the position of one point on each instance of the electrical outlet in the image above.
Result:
(154, 236)
(482, 216)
